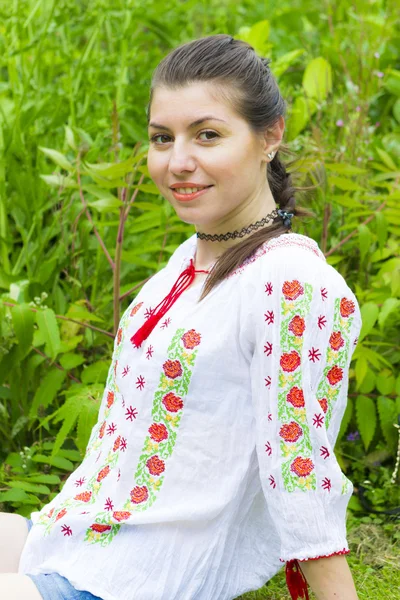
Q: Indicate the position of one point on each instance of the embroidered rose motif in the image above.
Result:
(117, 443)
(172, 403)
(335, 375)
(136, 308)
(84, 497)
(50, 514)
(102, 428)
(336, 340)
(347, 307)
(119, 336)
(139, 494)
(61, 514)
(323, 402)
(103, 473)
(100, 528)
(290, 361)
(302, 467)
(155, 465)
(110, 399)
(121, 515)
(172, 369)
(297, 326)
(290, 432)
(158, 432)
(191, 339)
(292, 289)
(296, 397)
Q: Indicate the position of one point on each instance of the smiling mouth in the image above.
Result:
(190, 190)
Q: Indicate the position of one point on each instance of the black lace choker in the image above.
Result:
(286, 217)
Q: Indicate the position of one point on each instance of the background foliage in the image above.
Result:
(82, 226)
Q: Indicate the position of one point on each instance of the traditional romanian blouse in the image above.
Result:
(212, 462)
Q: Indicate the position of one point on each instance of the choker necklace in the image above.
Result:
(286, 217)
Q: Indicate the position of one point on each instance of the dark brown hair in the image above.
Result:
(244, 80)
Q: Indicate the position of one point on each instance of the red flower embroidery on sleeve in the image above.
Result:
(172, 402)
(347, 307)
(336, 340)
(323, 402)
(139, 494)
(191, 339)
(290, 361)
(155, 465)
(110, 399)
(103, 473)
(172, 369)
(302, 467)
(297, 326)
(291, 432)
(335, 375)
(121, 515)
(84, 497)
(296, 397)
(158, 432)
(292, 289)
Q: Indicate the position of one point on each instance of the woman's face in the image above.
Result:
(221, 152)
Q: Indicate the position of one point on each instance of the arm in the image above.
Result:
(307, 327)
(330, 578)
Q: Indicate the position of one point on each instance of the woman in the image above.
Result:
(211, 464)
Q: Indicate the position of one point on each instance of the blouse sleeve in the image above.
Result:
(306, 322)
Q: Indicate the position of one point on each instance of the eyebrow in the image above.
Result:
(194, 124)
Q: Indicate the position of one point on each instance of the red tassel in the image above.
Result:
(295, 580)
(183, 282)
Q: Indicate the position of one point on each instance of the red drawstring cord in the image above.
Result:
(181, 284)
(295, 580)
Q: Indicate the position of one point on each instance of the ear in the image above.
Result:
(272, 138)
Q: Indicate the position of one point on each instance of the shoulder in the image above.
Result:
(289, 258)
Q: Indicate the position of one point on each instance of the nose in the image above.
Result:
(181, 158)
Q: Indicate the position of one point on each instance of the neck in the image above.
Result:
(208, 251)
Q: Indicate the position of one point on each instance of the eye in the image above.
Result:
(164, 135)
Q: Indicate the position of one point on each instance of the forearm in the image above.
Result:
(330, 578)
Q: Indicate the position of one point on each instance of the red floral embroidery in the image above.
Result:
(335, 375)
(324, 452)
(272, 482)
(61, 514)
(268, 449)
(121, 515)
(172, 402)
(296, 397)
(66, 530)
(267, 381)
(110, 399)
(158, 432)
(136, 308)
(321, 321)
(149, 352)
(109, 504)
(102, 428)
(139, 494)
(125, 371)
(119, 335)
(318, 420)
(323, 402)
(155, 465)
(302, 467)
(324, 293)
(50, 514)
(172, 369)
(269, 316)
(347, 307)
(290, 432)
(111, 429)
(131, 413)
(297, 326)
(100, 528)
(314, 354)
(191, 339)
(292, 289)
(326, 484)
(268, 288)
(336, 340)
(117, 443)
(268, 349)
(290, 361)
(103, 473)
(84, 497)
(140, 381)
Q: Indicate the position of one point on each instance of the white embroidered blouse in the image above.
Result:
(212, 462)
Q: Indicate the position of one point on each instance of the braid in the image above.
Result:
(281, 185)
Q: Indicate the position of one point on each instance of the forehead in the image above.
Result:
(185, 104)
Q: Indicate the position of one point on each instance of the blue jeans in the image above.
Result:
(53, 586)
